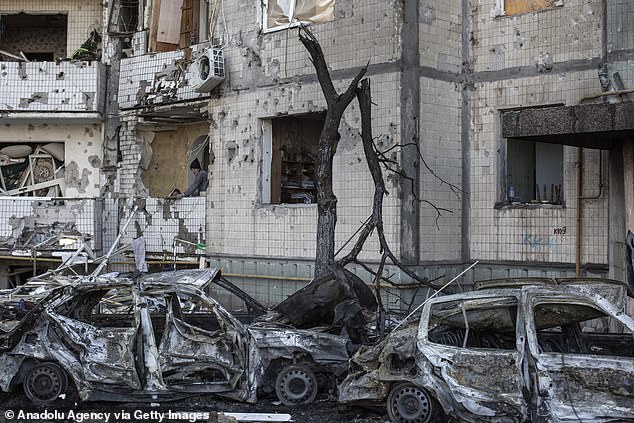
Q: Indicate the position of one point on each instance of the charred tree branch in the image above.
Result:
(326, 199)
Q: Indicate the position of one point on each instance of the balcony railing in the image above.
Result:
(49, 225)
(155, 79)
(32, 88)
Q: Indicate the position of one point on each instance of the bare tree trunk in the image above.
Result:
(326, 199)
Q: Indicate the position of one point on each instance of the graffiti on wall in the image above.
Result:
(539, 243)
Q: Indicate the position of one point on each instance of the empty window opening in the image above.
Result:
(280, 14)
(581, 329)
(290, 149)
(167, 156)
(534, 172)
(40, 37)
(518, 7)
(124, 17)
(475, 324)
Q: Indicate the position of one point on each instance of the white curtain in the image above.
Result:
(283, 12)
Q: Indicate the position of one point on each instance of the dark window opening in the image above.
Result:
(40, 37)
(581, 329)
(294, 148)
(40, 57)
(124, 17)
(534, 172)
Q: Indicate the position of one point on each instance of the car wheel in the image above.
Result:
(44, 383)
(296, 385)
(407, 403)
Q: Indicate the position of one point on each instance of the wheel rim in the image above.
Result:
(45, 383)
(296, 385)
(410, 404)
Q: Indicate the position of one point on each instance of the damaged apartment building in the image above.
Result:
(523, 106)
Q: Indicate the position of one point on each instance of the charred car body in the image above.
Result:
(163, 338)
(512, 351)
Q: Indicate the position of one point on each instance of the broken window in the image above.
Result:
(101, 308)
(290, 146)
(534, 172)
(517, 7)
(40, 37)
(32, 169)
(581, 329)
(482, 323)
(195, 311)
(280, 14)
(124, 17)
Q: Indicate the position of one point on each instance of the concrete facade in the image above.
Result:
(442, 76)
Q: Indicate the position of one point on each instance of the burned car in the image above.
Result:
(153, 339)
(511, 351)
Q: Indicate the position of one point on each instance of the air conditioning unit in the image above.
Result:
(207, 71)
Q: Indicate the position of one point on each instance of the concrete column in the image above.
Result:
(616, 219)
(467, 133)
(624, 156)
(410, 122)
(628, 183)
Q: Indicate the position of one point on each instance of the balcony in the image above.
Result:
(47, 228)
(171, 227)
(52, 90)
(153, 80)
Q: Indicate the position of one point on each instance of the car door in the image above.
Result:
(478, 347)
(583, 354)
(202, 348)
(99, 327)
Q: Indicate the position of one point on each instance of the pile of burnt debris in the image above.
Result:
(27, 170)
(27, 234)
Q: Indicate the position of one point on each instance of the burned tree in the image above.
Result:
(326, 199)
(325, 263)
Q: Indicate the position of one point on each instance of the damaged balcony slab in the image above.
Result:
(158, 78)
(600, 126)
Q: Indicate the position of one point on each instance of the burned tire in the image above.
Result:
(44, 383)
(407, 403)
(296, 385)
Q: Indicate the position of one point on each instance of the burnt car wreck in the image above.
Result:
(165, 337)
(511, 351)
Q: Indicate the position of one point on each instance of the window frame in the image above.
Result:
(266, 176)
(484, 303)
(505, 181)
(542, 299)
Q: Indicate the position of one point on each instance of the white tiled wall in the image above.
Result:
(529, 234)
(239, 224)
(570, 32)
(52, 87)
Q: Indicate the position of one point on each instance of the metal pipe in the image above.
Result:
(103, 264)
(578, 224)
(606, 94)
(596, 197)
